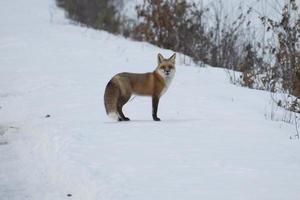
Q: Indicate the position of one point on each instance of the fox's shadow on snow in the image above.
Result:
(152, 121)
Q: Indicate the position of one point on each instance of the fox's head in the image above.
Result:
(166, 67)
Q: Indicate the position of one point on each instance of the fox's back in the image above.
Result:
(140, 83)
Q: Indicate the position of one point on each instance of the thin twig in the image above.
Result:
(131, 99)
(296, 124)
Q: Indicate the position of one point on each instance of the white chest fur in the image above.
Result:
(168, 79)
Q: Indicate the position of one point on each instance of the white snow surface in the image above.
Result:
(214, 141)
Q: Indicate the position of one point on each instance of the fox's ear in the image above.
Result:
(160, 58)
(173, 58)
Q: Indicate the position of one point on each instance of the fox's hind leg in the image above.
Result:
(121, 102)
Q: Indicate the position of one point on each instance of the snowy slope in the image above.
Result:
(214, 141)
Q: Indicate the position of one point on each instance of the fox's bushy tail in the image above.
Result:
(111, 95)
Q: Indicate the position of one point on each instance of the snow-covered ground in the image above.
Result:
(214, 141)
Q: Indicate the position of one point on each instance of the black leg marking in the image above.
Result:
(122, 116)
(120, 112)
(155, 101)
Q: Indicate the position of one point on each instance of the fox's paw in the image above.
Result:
(156, 119)
(123, 119)
(126, 119)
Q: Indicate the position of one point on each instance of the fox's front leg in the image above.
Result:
(155, 101)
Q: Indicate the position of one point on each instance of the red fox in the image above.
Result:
(120, 88)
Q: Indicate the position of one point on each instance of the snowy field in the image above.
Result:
(215, 140)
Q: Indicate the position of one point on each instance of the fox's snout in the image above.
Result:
(167, 71)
